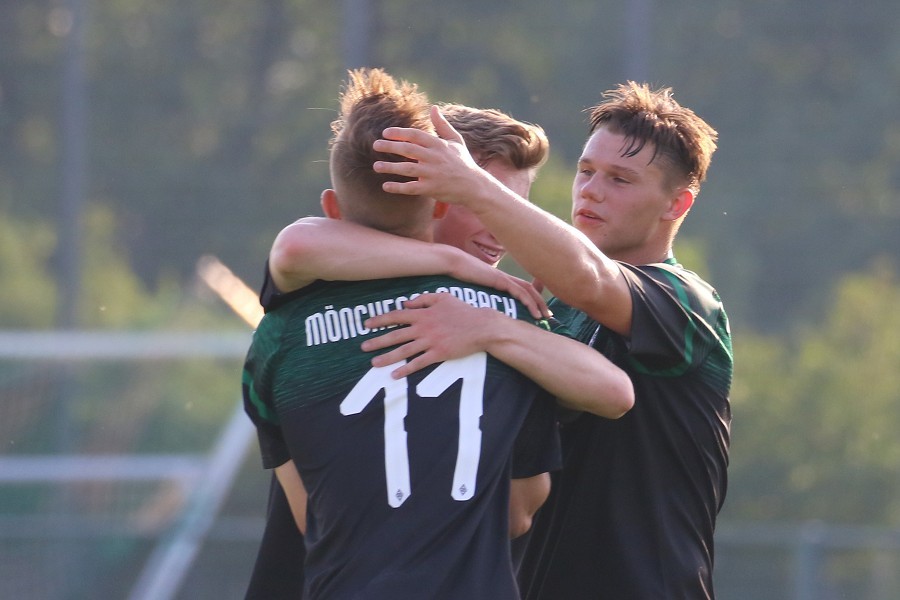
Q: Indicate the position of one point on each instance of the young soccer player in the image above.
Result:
(313, 397)
(512, 151)
(633, 511)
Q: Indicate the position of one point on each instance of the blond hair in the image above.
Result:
(491, 134)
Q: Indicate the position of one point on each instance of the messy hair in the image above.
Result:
(371, 101)
(681, 140)
(491, 134)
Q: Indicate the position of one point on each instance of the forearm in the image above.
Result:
(319, 248)
(334, 250)
(295, 492)
(550, 249)
(566, 261)
(580, 377)
(439, 327)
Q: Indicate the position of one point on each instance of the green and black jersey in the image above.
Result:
(408, 479)
(632, 512)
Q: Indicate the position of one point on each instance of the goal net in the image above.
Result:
(118, 451)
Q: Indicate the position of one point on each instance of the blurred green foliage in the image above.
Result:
(208, 128)
(816, 415)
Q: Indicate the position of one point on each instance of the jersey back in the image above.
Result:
(408, 479)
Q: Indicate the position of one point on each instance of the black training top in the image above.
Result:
(408, 480)
(632, 513)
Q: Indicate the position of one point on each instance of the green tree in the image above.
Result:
(27, 287)
(209, 120)
(816, 418)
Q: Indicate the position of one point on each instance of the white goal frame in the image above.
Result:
(205, 479)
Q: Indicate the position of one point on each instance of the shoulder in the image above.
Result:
(483, 297)
(672, 282)
(669, 298)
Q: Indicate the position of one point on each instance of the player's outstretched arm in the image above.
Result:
(550, 249)
(441, 327)
(335, 250)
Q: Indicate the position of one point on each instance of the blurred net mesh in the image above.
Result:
(105, 460)
(101, 456)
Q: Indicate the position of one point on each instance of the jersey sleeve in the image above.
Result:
(258, 407)
(272, 447)
(268, 293)
(537, 446)
(678, 320)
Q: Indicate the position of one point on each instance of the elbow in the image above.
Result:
(612, 401)
(526, 497)
(623, 400)
(519, 525)
(288, 249)
(294, 247)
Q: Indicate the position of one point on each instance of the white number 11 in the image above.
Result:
(471, 370)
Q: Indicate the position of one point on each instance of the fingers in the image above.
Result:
(416, 364)
(399, 354)
(403, 316)
(422, 138)
(539, 300)
(520, 289)
(408, 169)
(527, 295)
(429, 158)
(443, 127)
(399, 147)
(407, 348)
(412, 135)
(535, 294)
(533, 309)
(385, 340)
(409, 343)
(425, 300)
(405, 169)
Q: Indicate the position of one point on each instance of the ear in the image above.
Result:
(680, 204)
(329, 202)
(440, 210)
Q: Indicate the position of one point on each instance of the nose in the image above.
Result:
(590, 189)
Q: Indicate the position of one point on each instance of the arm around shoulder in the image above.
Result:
(336, 250)
(580, 377)
(440, 327)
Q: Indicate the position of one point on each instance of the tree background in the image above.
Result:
(206, 128)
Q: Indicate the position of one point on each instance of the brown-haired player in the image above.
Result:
(633, 511)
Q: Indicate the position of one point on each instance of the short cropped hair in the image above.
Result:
(682, 141)
(371, 101)
(491, 134)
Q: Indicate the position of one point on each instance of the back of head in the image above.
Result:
(493, 135)
(371, 101)
(683, 142)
